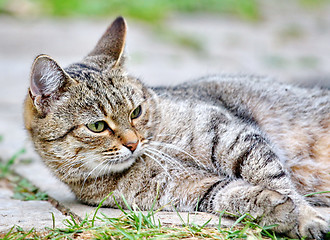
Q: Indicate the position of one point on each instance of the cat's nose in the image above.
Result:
(130, 140)
(132, 145)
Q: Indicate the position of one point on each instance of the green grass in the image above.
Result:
(153, 12)
(146, 10)
(22, 188)
(135, 224)
(26, 191)
(5, 166)
(315, 193)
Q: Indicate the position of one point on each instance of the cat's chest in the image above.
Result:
(188, 129)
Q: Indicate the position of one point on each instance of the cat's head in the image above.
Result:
(90, 118)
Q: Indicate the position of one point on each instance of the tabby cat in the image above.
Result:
(225, 142)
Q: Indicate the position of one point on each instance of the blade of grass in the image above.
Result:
(10, 231)
(139, 221)
(53, 220)
(5, 167)
(123, 232)
(311, 194)
(181, 219)
(126, 203)
(73, 221)
(220, 217)
(119, 207)
(151, 211)
(207, 222)
(238, 221)
(99, 206)
(265, 231)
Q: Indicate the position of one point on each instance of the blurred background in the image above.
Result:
(168, 42)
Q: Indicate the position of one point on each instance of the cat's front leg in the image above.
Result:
(243, 151)
(268, 206)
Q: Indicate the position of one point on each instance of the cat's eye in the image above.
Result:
(97, 127)
(136, 112)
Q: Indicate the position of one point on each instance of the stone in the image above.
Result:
(27, 214)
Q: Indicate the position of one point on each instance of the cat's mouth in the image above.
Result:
(123, 160)
(109, 162)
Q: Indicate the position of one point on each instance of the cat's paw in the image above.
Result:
(281, 211)
(311, 225)
(294, 220)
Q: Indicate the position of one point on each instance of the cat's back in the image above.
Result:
(257, 99)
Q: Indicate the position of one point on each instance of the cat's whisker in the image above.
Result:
(164, 136)
(104, 168)
(172, 160)
(169, 145)
(141, 159)
(90, 173)
(66, 165)
(175, 166)
(68, 172)
(160, 156)
(98, 174)
(72, 161)
(107, 170)
(159, 163)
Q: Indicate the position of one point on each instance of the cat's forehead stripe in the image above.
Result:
(102, 108)
(115, 96)
(83, 66)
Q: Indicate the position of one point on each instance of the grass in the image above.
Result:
(26, 191)
(135, 224)
(22, 188)
(5, 167)
(145, 10)
(153, 12)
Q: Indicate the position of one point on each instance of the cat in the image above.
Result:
(238, 143)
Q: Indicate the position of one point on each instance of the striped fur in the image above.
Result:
(226, 142)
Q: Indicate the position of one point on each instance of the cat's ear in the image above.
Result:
(46, 80)
(112, 43)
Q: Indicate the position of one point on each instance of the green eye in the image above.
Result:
(136, 113)
(97, 126)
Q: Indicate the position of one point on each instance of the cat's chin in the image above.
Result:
(123, 165)
(106, 167)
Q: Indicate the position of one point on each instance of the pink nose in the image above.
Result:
(132, 145)
(130, 140)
